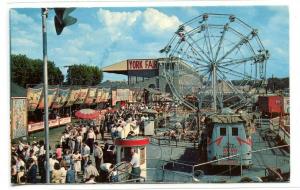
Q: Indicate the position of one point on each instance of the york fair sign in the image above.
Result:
(142, 64)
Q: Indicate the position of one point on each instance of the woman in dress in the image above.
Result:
(77, 161)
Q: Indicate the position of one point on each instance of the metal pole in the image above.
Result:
(214, 87)
(46, 127)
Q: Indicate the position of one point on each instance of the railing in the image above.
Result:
(274, 125)
(168, 141)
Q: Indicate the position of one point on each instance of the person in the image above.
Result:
(63, 172)
(90, 140)
(77, 161)
(22, 180)
(58, 152)
(52, 162)
(85, 152)
(56, 174)
(111, 156)
(91, 180)
(114, 132)
(41, 167)
(32, 171)
(19, 163)
(105, 170)
(78, 142)
(14, 171)
(89, 171)
(135, 163)
(98, 154)
(71, 174)
(64, 140)
(20, 174)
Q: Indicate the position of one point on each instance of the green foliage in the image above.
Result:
(84, 75)
(30, 71)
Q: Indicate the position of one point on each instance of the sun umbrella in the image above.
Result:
(87, 114)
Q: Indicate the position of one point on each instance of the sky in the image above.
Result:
(104, 36)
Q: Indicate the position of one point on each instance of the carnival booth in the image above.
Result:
(124, 147)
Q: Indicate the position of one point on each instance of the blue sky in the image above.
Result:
(103, 36)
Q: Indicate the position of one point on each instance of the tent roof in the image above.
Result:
(120, 68)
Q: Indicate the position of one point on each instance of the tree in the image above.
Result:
(84, 75)
(30, 71)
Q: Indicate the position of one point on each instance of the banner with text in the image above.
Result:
(73, 97)
(61, 98)
(18, 117)
(91, 96)
(33, 97)
(51, 96)
(142, 64)
(82, 96)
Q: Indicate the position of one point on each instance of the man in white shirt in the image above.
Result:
(85, 152)
(20, 163)
(135, 163)
(98, 154)
(52, 161)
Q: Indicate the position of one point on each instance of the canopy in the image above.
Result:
(87, 114)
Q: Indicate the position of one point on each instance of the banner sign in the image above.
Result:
(52, 123)
(137, 95)
(51, 96)
(99, 95)
(105, 95)
(18, 117)
(82, 96)
(122, 94)
(72, 97)
(91, 96)
(142, 64)
(33, 97)
(61, 98)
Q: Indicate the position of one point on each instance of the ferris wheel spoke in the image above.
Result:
(198, 47)
(225, 29)
(229, 83)
(237, 61)
(236, 73)
(209, 41)
(237, 45)
(194, 62)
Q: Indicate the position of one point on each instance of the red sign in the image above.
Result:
(142, 64)
(52, 123)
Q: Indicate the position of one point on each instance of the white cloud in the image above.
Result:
(152, 21)
(118, 23)
(158, 23)
(22, 42)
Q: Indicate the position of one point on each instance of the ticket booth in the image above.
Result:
(124, 146)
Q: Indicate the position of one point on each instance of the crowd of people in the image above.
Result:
(83, 154)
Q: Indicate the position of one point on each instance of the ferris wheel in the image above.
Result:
(227, 55)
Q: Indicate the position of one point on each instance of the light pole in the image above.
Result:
(61, 20)
(45, 59)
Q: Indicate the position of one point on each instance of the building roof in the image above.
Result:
(119, 68)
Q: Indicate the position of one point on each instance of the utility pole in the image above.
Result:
(45, 59)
